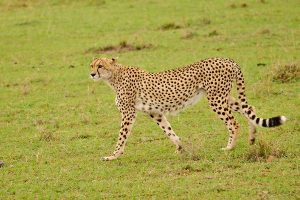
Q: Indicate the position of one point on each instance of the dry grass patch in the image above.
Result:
(47, 135)
(191, 152)
(188, 169)
(188, 35)
(282, 73)
(170, 26)
(25, 90)
(123, 46)
(206, 21)
(285, 73)
(80, 137)
(264, 88)
(264, 31)
(213, 33)
(265, 152)
(243, 5)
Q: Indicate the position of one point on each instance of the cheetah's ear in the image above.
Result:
(114, 60)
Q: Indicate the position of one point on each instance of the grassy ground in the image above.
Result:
(55, 123)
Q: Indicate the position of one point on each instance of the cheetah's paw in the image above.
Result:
(179, 150)
(108, 158)
(226, 148)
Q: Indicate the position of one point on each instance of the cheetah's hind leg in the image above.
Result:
(224, 113)
(163, 123)
(235, 106)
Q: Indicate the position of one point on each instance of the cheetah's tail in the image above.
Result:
(248, 110)
(271, 122)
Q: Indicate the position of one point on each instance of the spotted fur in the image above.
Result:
(171, 91)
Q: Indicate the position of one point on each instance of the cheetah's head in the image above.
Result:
(102, 68)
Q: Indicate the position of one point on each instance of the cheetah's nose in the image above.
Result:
(93, 74)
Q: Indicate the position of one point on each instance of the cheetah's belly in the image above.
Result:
(194, 99)
(156, 106)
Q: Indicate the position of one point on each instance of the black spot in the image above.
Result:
(257, 120)
(275, 121)
(253, 117)
(169, 128)
(159, 120)
(244, 106)
(151, 116)
(264, 123)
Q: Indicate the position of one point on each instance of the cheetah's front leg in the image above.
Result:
(128, 119)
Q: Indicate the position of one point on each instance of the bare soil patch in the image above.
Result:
(120, 48)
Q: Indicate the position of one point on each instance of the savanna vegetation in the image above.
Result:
(56, 123)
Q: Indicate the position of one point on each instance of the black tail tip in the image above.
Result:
(276, 121)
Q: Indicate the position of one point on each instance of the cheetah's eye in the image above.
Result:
(100, 66)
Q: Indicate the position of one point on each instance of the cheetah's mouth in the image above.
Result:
(95, 78)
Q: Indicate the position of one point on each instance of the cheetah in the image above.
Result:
(169, 92)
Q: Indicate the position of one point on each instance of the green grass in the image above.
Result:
(55, 123)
